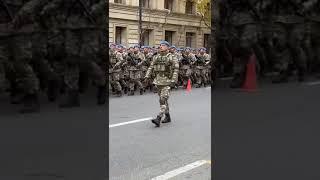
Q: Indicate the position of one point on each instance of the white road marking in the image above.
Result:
(130, 122)
(313, 83)
(181, 170)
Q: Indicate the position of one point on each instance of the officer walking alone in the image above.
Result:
(165, 67)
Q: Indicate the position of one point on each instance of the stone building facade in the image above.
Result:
(173, 20)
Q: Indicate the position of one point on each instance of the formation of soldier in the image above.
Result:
(128, 67)
(283, 35)
(54, 47)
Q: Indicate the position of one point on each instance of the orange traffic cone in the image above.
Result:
(189, 85)
(250, 84)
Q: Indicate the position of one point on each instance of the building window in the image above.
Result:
(120, 35)
(145, 3)
(189, 7)
(169, 36)
(206, 41)
(145, 37)
(168, 4)
(118, 1)
(190, 39)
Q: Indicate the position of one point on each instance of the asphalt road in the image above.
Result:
(55, 144)
(139, 151)
(270, 134)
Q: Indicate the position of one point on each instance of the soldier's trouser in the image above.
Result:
(164, 93)
(242, 48)
(136, 82)
(289, 39)
(26, 78)
(116, 81)
(315, 40)
(71, 78)
(4, 57)
(72, 71)
(94, 71)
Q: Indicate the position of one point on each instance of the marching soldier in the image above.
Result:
(166, 68)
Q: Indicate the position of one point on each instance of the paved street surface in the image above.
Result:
(271, 134)
(56, 144)
(179, 150)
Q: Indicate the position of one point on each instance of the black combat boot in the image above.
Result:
(102, 95)
(30, 104)
(167, 119)
(157, 121)
(141, 91)
(72, 100)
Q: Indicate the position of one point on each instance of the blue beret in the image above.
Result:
(165, 43)
(173, 47)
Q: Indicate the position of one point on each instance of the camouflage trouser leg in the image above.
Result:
(204, 76)
(4, 54)
(134, 82)
(2, 77)
(164, 93)
(96, 73)
(26, 78)
(123, 83)
(71, 78)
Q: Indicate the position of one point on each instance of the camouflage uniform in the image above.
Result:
(146, 63)
(116, 60)
(134, 61)
(312, 42)
(200, 71)
(243, 37)
(185, 71)
(25, 79)
(191, 59)
(289, 33)
(166, 68)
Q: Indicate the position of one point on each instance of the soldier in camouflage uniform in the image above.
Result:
(116, 59)
(134, 62)
(5, 33)
(243, 39)
(185, 71)
(201, 70)
(25, 79)
(190, 57)
(146, 63)
(289, 33)
(312, 11)
(166, 68)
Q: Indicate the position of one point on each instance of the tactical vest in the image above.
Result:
(162, 65)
